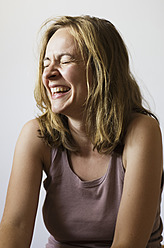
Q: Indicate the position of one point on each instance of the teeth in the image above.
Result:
(59, 89)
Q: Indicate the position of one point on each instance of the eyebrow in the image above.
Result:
(59, 56)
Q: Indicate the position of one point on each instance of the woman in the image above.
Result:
(100, 148)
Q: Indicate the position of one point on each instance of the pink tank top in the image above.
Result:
(83, 213)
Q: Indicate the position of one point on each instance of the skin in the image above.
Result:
(142, 159)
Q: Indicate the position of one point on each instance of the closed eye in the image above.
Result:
(46, 62)
(65, 61)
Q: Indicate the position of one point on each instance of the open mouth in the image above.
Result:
(57, 90)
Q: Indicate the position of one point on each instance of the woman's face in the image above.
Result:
(64, 75)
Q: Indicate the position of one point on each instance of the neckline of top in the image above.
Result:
(82, 183)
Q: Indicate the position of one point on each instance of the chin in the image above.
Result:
(58, 111)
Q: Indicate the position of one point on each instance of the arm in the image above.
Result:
(142, 159)
(17, 223)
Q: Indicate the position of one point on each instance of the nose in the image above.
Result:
(51, 72)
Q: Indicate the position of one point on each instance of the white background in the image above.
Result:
(141, 23)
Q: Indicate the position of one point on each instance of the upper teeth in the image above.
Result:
(59, 89)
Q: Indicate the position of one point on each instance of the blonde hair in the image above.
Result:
(113, 94)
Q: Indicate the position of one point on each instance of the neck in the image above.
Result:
(78, 132)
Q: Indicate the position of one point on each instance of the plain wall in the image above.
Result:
(141, 25)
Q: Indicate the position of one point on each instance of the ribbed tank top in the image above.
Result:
(83, 213)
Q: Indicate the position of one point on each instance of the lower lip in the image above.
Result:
(59, 95)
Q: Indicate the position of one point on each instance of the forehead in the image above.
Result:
(62, 41)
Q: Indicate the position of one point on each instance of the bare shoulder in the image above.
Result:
(31, 127)
(29, 135)
(142, 124)
(143, 136)
(30, 141)
(142, 128)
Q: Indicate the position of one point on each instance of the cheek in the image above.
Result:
(75, 76)
(45, 81)
(45, 87)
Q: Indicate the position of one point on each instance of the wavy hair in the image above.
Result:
(113, 94)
